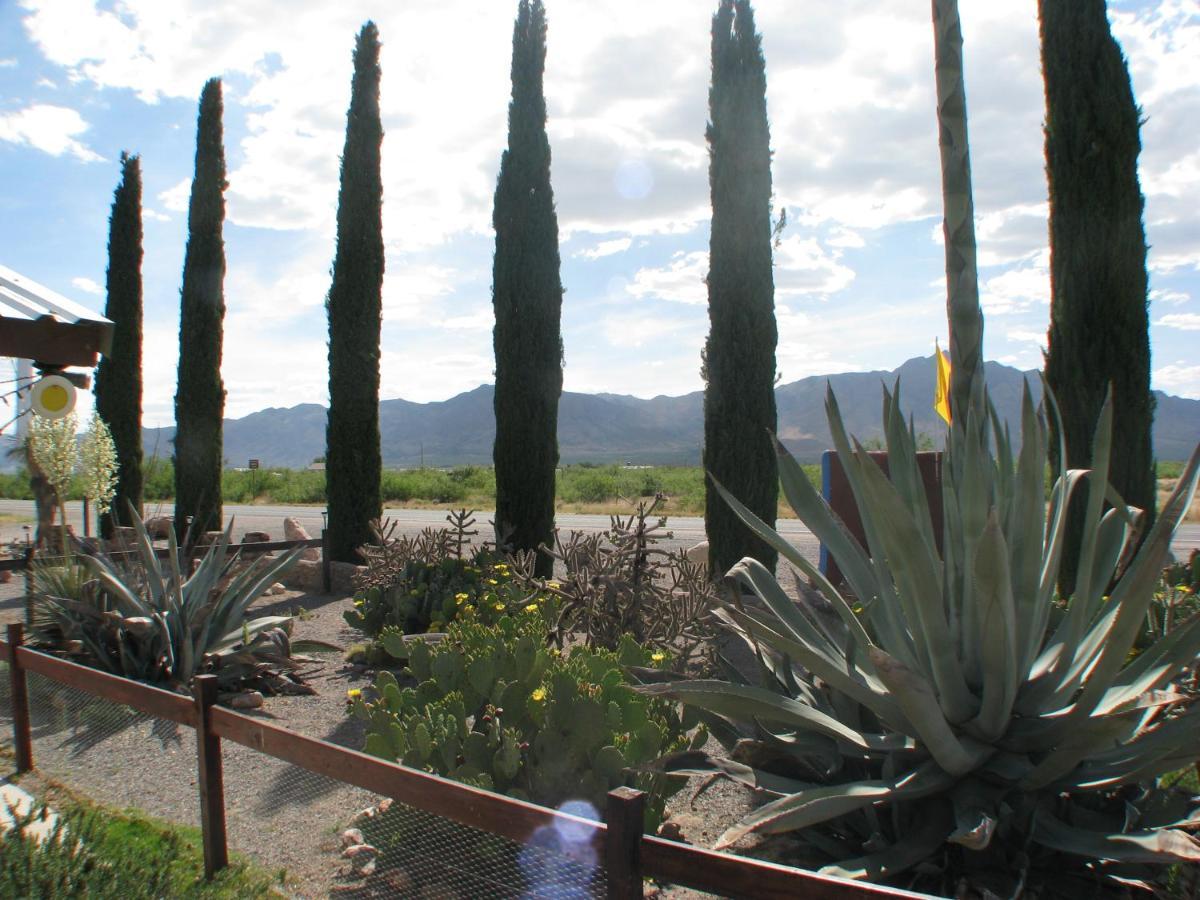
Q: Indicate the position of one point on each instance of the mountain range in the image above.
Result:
(658, 431)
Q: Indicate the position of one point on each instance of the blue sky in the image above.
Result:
(850, 96)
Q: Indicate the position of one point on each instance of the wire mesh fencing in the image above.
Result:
(111, 753)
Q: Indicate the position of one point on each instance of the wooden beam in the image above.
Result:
(53, 343)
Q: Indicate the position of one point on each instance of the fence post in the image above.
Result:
(22, 739)
(623, 842)
(326, 562)
(212, 785)
(87, 519)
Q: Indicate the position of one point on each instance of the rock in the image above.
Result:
(294, 531)
(5, 576)
(248, 700)
(159, 527)
(384, 805)
(275, 590)
(699, 554)
(305, 576)
(254, 537)
(359, 853)
(368, 813)
(352, 837)
(368, 868)
(671, 831)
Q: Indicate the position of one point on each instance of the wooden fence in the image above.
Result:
(628, 856)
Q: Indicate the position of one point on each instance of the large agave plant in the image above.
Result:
(146, 619)
(946, 708)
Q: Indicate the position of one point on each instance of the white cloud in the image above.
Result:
(51, 129)
(1172, 298)
(1017, 290)
(803, 266)
(606, 248)
(1180, 379)
(87, 286)
(680, 281)
(176, 198)
(8, 63)
(1182, 321)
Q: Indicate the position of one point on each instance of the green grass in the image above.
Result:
(107, 853)
(581, 487)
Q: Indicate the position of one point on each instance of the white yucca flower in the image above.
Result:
(98, 465)
(54, 450)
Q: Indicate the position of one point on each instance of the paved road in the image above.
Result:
(687, 530)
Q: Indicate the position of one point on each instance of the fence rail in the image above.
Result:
(628, 855)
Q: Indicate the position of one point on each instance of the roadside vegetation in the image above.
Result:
(581, 488)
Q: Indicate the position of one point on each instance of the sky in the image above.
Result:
(859, 271)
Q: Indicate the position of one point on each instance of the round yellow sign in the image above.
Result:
(52, 397)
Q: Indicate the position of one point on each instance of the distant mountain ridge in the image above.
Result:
(658, 431)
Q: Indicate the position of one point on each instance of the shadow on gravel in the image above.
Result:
(293, 786)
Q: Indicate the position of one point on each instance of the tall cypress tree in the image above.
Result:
(200, 394)
(353, 464)
(527, 297)
(739, 356)
(1099, 322)
(119, 375)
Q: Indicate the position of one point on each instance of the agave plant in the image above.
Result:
(148, 620)
(944, 709)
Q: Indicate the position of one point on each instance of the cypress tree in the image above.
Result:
(200, 394)
(739, 355)
(1099, 322)
(353, 464)
(119, 376)
(527, 297)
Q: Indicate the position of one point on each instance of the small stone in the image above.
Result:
(369, 868)
(275, 590)
(671, 831)
(368, 813)
(359, 853)
(352, 837)
(384, 805)
(248, 700)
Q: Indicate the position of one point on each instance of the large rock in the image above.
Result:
(159, 527)
(307, 576)
(254, 537)
(294, 531)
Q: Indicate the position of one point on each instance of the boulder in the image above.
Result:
(254, 537)
(294, 531)
(699, 554)
(159, 527)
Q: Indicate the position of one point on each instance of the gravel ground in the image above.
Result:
(280, 816)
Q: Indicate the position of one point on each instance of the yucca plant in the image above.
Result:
(146, 619)
(946, 711)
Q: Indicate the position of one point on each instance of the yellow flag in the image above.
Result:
(941, 393)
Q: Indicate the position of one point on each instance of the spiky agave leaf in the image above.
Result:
(956, 668)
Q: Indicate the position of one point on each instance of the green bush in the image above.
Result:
(428, 595)
(494, 707)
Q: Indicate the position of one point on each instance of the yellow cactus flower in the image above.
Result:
(531, 608)
(498, 607)
(538, 695)
(353, 694)
(492, 581)
(460, 599)
(553, 585)
(657, 657)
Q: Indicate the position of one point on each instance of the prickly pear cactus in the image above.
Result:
(492, 705)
